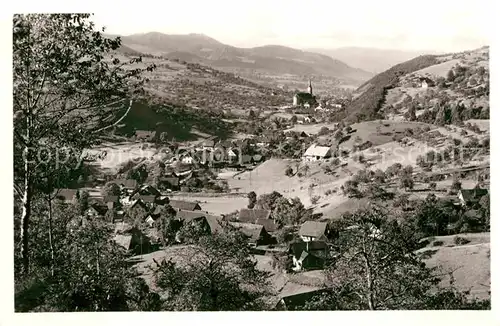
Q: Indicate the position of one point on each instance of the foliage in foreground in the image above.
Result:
(376, 268)
(89, 271)
(217, 274)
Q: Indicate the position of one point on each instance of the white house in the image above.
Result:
(187, 159)
(315, 153)
(150, 221)
(231, 154)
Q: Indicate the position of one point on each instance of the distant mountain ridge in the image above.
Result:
(372, 59)
(199, 48)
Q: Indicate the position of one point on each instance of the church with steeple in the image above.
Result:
(305, 97)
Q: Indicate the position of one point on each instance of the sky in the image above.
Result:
(436, 25)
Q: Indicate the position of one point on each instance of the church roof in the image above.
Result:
(304, 95)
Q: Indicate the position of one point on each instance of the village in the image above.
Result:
(161, 172)
(135, 202)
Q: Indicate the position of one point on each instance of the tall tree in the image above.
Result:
(252, 199)
(64, 90)
(217, 274)
(376, 268)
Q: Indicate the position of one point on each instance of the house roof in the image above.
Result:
(473, 194)
(215, 223)
(185, 205)
(123, 240)
(267, 223)
(314, 247)
(99, 208)
(111, 199)
(252, 215)
(127, 183)
(315, 150)
(144, 133)
(147, 190)
(291, 289)
(312, 229)
(253, 231)
(174, 181)
(156, 211)
(138, 202)
(188, 215)
(66, 194)
(148, 199)
(209, 143)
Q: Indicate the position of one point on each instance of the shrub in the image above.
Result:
(323, 131)
(458, 240)
(314, 200)
(289, 171)
(329, 192)
(437, 243)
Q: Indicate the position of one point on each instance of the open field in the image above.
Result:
(311, 128)
(470, 263)
(119, 153)
(217, 205)
(439, 70)
(483, 124)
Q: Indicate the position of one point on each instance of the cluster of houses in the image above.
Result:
(308, 251)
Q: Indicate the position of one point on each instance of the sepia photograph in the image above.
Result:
(252, 157)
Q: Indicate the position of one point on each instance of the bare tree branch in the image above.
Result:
(118, 121)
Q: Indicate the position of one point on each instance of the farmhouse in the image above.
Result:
(171, 183)
(268, 224)
(146, 190)
(293, 296)
(128, 185)
(315, 153)
(185, 205)
(305, 119)
(313, 231)
(96, 210)
(133, 240)
(256, 234)
(67, 196)
(232, 154)
(209, 223)
(187, 158)
(138, 206)
(252, 215)
(308, 255)
(426, 82)
(470, 197)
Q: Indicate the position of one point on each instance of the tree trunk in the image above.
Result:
(27, 191)
(25, 217)
(51, 244)
(369, 282)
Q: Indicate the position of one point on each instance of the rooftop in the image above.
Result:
(312, 229)
(315, 150)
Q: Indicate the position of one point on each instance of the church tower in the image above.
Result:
(310, 88)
